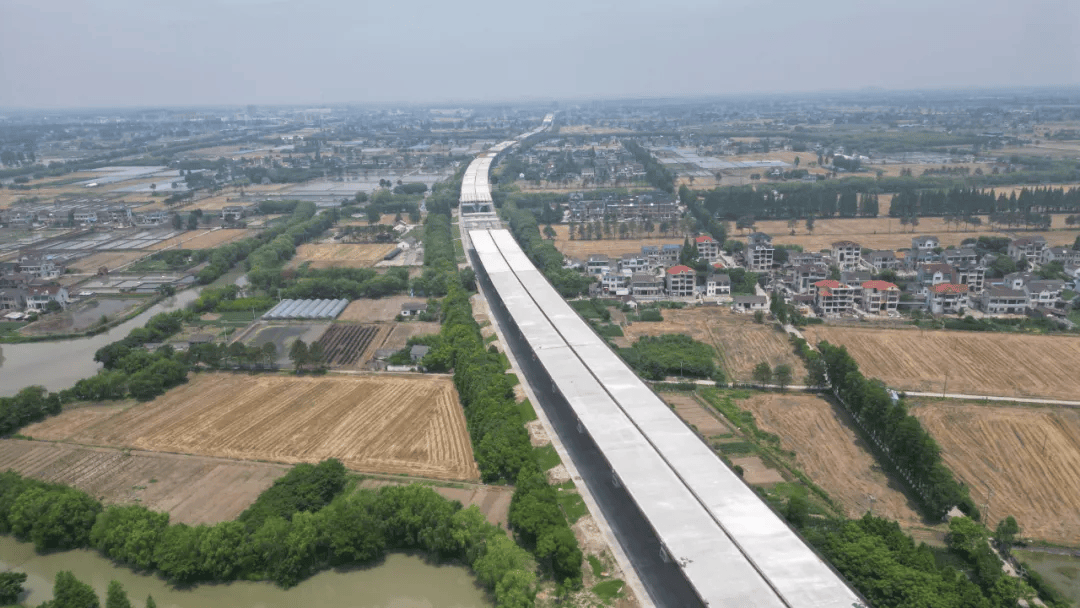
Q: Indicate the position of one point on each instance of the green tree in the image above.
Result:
(549, 233)
(782, 375)
(150, 603)
(317, 355)
(192, 221)
(1005, 533)
(11, 586)
(116, 597)
(177, 222)
(298, 354)
(797, 511)
(69, 592)
(759, 316)
(762, 373)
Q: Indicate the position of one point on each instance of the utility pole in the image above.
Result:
(873, 499)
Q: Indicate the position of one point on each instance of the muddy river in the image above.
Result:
(58, 365)
(401, 581)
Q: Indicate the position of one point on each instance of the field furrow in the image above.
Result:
(378, 423)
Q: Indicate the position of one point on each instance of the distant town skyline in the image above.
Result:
(123, 53)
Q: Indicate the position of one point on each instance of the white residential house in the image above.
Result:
(717, 284)
(847, 255)
(1065, 255)
(152, 218)
(598, 264)
(959, 257)
(39, 296)
(922, 249)
(40, 267)
(232, 213)
(1003, 301)
(947, 298)
(412, 309)
(803, 277)
(1028, 248)
(708, 248)
(935, 273)
(1017, 280)
(12, 298)
(680, 281)
(645, 285)
(749, 303)
(884, 260)
(633, 262)
(879, 297)
(972, 275)
(616, 283)
(833, 298)
(85, 217)
(1044, 293)
(669, 254)
(759, 252)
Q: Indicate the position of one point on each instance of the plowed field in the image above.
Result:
(384, 424)
(830, 453)
(192, 489)
(349, 345)
(995, 364)
(741, 343)
(1028, 456)
(328, 255)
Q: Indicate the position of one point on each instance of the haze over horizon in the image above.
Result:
(121, 53)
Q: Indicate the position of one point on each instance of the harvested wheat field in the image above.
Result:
(1028, 456)
(994, 364)
(888, 233)
(202, 239)
(688, 408)
(828, 450)
(613, 247)
(409, 425)
(335, 255)
(191, 489)
(113, 260)
(740, 342)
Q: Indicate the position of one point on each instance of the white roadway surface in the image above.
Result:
(630, 576)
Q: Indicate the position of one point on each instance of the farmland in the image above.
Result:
(207, 239)
(374, 311)
(582, 249)
(334, 255)
(192, 489)
(741, 343)
(1028, 456)
(112, 260)
(889, 233)
(1007, 365)
(830, 453)
(383, 424)
(349, 345)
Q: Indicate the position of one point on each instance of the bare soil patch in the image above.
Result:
(191, 489)
(374, 310)
(335, 255)
(401, 333)
(996, 364)
(349, 345)
(740, 343)
(1028, 456)
(397, 424)
(694, 414)
(755, 472)
(830, 453)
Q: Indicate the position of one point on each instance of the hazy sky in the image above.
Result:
(74, 53)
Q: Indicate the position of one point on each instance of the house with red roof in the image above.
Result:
(879, 297)
(708, 248)
(947, 298)
(680, 281)
(833, 298)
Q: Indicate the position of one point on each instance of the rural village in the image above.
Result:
(238, 332)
